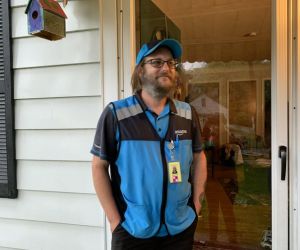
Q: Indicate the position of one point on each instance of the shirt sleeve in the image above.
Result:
(105, 143)
(197, 143)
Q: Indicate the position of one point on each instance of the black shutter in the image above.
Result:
(8, 187)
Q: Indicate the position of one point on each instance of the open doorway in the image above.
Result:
(227, 65)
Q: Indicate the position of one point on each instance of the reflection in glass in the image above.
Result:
(234, 114)
(226, 76)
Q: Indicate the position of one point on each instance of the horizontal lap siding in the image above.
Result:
(34, 235)
(51, 145)
(54, 207)
(58, 100)
(57, 81)
(76, 48)
(58, 113)
(43, 175)
(9, 248)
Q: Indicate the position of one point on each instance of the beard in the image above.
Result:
(158, 86)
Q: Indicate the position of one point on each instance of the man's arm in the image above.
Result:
(199, 179)
(103, 189)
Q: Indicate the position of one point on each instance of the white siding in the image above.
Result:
(57, 81)
(76, 48)
(54, 145)
(58, 113)
(54, 207)
(9, 248)
(58, 100)
(33, 235)
(43, 175)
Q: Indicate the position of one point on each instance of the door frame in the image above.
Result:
(297, 122)
(109, 70)
(294, 12)
(117, 57)
(280, 110)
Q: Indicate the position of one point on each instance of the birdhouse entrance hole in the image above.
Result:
(35, 14)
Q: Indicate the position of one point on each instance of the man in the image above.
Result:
(151, 144)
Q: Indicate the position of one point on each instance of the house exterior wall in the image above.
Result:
(58, 99)
(58, 95)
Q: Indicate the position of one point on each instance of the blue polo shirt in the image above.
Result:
(159, 122)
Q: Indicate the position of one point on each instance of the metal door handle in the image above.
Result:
(282, 155)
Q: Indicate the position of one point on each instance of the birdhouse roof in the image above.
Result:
(49, 5)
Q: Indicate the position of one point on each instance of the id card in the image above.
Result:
(174, 172)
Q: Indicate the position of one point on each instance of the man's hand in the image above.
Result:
(103, 189)
(198, 203)
(199, 179)
(114, 224)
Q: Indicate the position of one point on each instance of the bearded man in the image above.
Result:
(149, 170)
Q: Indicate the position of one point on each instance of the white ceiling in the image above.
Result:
(218, 30)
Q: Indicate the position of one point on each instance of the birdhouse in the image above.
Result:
(46, 19)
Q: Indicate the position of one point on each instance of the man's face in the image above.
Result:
(158, 82)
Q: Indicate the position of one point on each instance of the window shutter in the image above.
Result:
(8, 187)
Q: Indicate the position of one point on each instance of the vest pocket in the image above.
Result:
(182, 209)
(183, 202)
(138, 221)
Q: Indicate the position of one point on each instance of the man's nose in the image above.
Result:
(165, 66)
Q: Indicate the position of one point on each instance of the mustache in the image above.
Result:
(164, 75)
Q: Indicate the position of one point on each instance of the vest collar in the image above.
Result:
(138, 96)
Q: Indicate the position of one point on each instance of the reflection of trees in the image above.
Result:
(242, 103)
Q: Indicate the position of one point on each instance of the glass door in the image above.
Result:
(234, 72)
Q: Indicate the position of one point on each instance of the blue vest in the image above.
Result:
(146, 199)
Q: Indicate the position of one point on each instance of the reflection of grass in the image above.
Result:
(256, 187)
(248, 199)
(251, 186)
(257, 180)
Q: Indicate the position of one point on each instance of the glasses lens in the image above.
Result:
(157, 63)
(172, 63)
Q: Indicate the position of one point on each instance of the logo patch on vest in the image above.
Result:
(180, 132)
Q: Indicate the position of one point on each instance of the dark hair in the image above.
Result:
(136, 83)
(180, 92)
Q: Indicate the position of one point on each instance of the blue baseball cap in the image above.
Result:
(149, 48)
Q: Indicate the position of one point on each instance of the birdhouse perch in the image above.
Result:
(46, 19)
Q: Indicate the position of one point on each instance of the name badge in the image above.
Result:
(174, 172)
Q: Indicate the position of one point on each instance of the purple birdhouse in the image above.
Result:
(46, 19)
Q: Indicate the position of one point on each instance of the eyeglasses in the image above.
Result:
(158, 63)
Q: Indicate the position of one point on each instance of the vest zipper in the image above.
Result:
(165, 184)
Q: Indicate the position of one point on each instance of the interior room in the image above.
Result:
(227, 78)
